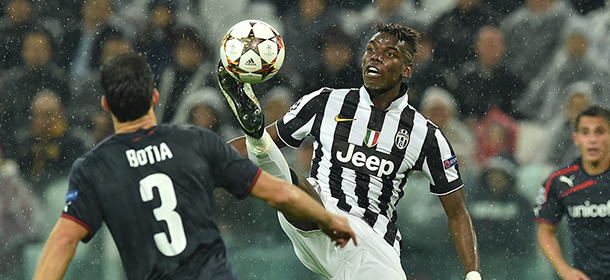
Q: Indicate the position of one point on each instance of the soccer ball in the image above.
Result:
(252, 51)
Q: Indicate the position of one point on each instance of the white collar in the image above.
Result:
(398, 104)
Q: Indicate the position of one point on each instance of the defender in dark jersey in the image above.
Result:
(152, 185)
(581, 190)
(367, 142)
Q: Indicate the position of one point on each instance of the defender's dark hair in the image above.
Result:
(408, 35)
(127, 81)
(593, 111)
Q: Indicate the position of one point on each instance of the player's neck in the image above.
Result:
(383, 99)
(596, 168)
(145, 122)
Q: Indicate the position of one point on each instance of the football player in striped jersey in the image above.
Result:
(367, 141)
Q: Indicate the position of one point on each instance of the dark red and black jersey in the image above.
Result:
(154, 190)
(585, 200)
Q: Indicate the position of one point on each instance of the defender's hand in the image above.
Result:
(339, 231)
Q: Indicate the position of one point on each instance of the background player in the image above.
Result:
(367, 141)
(152, 185)
(581, 190)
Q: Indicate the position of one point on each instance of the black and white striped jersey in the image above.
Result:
(363, 155)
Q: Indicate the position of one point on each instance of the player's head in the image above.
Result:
(127, 81)
(388, 56)
(593, 111)
(408, 39)
(592, 135)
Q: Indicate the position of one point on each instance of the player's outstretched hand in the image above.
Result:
(574, 274)
(339, 231)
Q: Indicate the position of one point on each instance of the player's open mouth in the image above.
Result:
(592, 151)
(372, 71)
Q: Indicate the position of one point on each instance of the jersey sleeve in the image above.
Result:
(295, 125)
(82, 205)
(439, 163)
(548, 205)
(231, 170)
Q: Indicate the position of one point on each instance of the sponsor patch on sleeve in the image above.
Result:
(71, 195)
(452, 161)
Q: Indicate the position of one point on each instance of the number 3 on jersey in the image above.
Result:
(165, 212)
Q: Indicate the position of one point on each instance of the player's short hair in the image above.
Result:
(127, 81)
(593, 111)
(408, 35)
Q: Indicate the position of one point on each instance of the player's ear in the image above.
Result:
(575, 139)
(155, 97)
(105, 104)
(407, 70)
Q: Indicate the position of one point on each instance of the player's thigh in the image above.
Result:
(373, 257)
(363, 265)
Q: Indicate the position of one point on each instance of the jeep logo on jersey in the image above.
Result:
(368, 161)
(402, 139)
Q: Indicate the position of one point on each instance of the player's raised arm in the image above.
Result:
(290, 199)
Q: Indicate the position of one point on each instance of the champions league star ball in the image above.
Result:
(252, 51)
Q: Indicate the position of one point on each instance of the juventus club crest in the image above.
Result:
(402, 139)
(371, 138)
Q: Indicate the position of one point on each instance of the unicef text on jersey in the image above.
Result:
(588, 210)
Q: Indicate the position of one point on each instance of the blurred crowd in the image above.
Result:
(503, 79)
